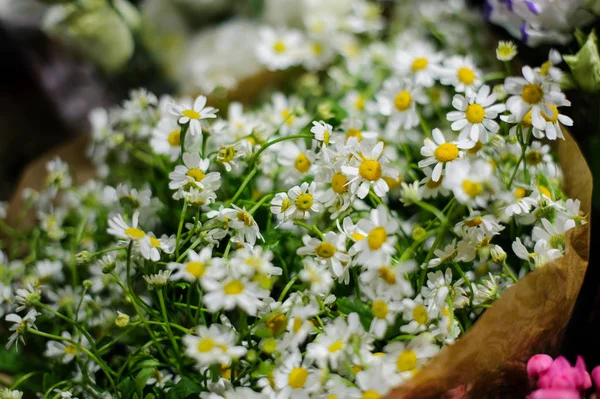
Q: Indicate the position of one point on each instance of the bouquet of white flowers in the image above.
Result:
(324, 243)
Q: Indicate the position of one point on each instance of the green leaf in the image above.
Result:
(126, 388)
(141, 378)
(146, 363)
(585, 65)
(346, 306)
(48, 381)
(263, 369)
(184, 388)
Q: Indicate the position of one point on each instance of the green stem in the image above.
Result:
(243, 186)
(467, 281)
(278, 140)
(163, 308)
(493, 76)
(287, 287)
(509, 271)
(309, 228)
(431, 209)
(181, 219)
(23, 379)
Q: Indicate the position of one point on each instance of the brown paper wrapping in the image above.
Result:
(529, 318)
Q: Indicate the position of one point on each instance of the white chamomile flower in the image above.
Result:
(19, 326)
(294, 379)
(331, 250)
(323, 134)
(279, 204)
(166, 138)
(193, 114)
(532, 93)
(279, 49)
(378, 244)
(303, 202)
(354, 102)
(542, 252)
(548, 68)
(431, 188)
(194, 173)
(296, 159)
(49, 270)
(120, 229)
(475, 115)
(416, 314)
(405, 358)
(317, 275)
(441, 153)
(232, 292)
(384, 312)
(198, 267)
(157, 280)
(240, 220)
(461, 73)
(213, 345)
(228, 154)
(552, 123)
(65, 350)
(398, 100)
(255, 260)
(506, 50)
(468, 181)
(331, 346)
(356, 129)
(368, 167)
(373, 383)
(554, 234)
(421, 62)
(150, 247)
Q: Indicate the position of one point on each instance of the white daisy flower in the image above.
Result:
(252, 261)
(150, 247)
(420, 61)
(20, 326)
(441, 153)
(548, 68)
(367, 168)
(373, 383)
(66, 351)
(331, 250)
(384, 312)
(157, 280)
(542, 252)
(294, 379)
(199, 266)
(303, 202)
(506, 50)
(398, 100)
(431, 188)
(331, 347)
(279, 204)
(554, 234)
(416, 314)
(405, 358)
(378, 245)
(120, 229)
(532, 93)
(49, 270)
(166, 138)
(461, 73)
(317, 275)
(279, 49)
(193, 114)
(232, 292)
(469, 181)
(323, 133)
(238, 219)
(194, 173)
(213, 345)
(475, 115)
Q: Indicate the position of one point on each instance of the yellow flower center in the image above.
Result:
(434, 184)
(472, 188)
(466, 75)
(70, 349)
(154, 242)
(304, 201)
(379, 309)
(269, 345)
(206, 345)
(527, 119)
(446, 152)
(407, 361)
(357, 236)
(317, 49)
(196, 269)
(287, 116)
(325, 250)
(190, 113)
(285, 204)
(520, 192)
(276, 323)
(388, 275)
(420, 314)
(297, 377)
(419, 64)
(234, 287)
(338, 183)
(354, 133)
(476, 221)
(226, 154)
(554, 116)
(475, 149)
(175, 138)
(545, 68)
(359, 102)
(279, 47)
(533, 157)
(134, 233)
(302, 163)
(376, 238)
(297, 324)
(370, 170)
(505, 51)
(532, 93)
(371, 394)
(336, 346)
(245, 218)
(475, 113)
(544, 191)
(196, 174)
(403, 100)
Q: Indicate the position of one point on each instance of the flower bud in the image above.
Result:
(498, 254)
(419, 234)
(538, 365)
(83, 258)
(269, 346)
(122, 319)
(87, 284)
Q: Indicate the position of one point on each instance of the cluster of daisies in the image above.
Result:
(323, 244)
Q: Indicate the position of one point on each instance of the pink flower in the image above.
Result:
(555, 394)
(562, 375)
(596, 378)
(538, 365)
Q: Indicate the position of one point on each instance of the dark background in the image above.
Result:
(46, 91)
